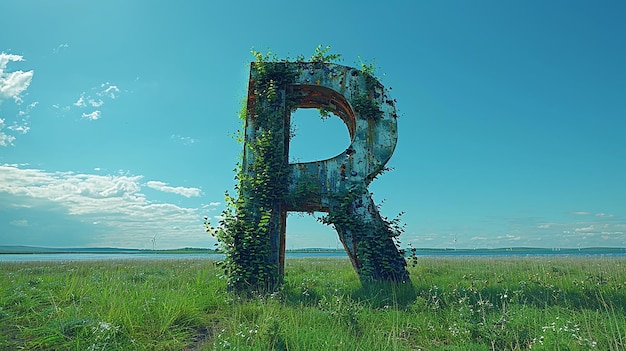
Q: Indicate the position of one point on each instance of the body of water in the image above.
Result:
(340, 255)
(141, 256)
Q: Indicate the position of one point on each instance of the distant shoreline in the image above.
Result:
(8, 249)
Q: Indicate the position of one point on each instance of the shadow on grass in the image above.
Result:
(386, 294)
(372, 294)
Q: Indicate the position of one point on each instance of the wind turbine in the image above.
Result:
(154, 241)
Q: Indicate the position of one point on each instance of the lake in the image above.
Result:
(142, 256)
(288, 255)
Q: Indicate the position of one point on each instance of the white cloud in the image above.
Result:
(212, 206)
(95, 103)
(185, 140)
(78, 193)
(59, 48)
(29, 107)
(103, 92)
(187, 192)
(92, 116)
(109, 90)
(604, 215)
(580, 213)
(587, 229)
(113, 201)
(22, 126)
(509, 237)
(13, 84)
(419, 240)
(5, 139)
(80, 102)
(19, 223)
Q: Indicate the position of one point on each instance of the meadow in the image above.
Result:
(538, 303)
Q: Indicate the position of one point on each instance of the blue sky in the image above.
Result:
(116, 117)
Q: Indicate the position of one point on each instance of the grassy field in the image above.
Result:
(452, 304)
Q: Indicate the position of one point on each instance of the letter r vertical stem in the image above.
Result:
(263, 181)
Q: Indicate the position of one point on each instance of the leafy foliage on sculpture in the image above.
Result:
(252, 231)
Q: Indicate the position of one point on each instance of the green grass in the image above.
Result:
(452, 304)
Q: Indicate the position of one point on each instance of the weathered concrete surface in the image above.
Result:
(325, 185)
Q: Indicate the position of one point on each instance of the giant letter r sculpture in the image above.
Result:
(269, 186)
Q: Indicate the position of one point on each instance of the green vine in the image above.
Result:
(367, 107)
(363, 104)
(262, 178)
(378, 245)
(321, 55)
(368, 68)
(325, 113)
(248, 217)
(307, 188)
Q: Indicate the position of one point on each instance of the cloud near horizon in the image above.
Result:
(594, 231)
(113, 203)
(186, 192)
